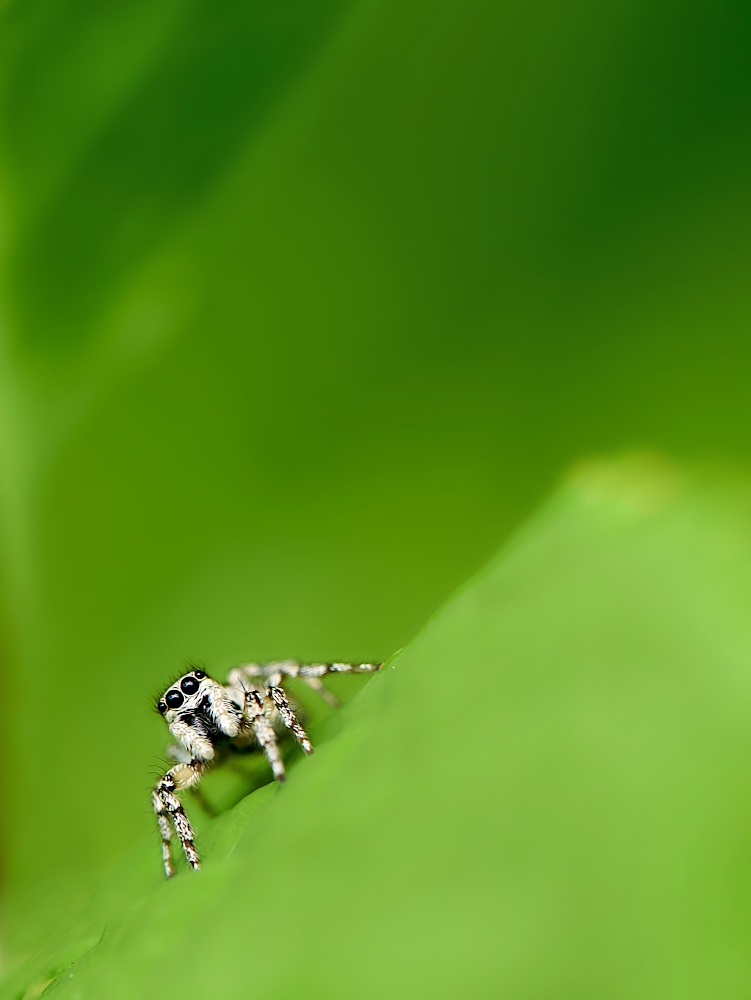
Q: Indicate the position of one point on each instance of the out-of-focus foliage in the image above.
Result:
(304, 305)
(546, 794)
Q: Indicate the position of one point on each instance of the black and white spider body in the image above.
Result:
(204, 715)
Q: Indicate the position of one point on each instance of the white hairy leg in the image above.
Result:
(169, 812)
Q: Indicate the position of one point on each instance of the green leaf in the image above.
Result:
(304, 306)
(546, 794)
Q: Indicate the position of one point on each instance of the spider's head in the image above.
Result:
(199, 712)
(184, 695)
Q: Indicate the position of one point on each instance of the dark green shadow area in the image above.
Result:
(155, 157)
(546, 794)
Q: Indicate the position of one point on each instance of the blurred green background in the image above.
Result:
(305, 306)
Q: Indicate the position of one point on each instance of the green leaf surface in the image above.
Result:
(304, 306)
(547, 794)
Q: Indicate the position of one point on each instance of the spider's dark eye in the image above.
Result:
(174, 699)
(199, 674)
(189, 685)
(162, 707)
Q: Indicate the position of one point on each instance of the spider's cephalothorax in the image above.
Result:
(203, 715)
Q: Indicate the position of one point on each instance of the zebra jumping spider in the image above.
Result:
(205, 717)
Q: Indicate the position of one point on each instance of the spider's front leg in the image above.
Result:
(261, 702)
(169, 811)
(257, 713)
(279, 697)
(260, 685)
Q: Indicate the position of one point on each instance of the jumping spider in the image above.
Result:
(205, 717)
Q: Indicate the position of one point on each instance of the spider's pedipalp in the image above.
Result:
(193, 733)
(222, 709)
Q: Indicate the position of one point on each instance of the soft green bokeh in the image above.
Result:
(547, 794)
(304, 306)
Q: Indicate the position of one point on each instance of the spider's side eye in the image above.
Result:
(199, 674)
(174, 699)
(161, 707)
(189, 685)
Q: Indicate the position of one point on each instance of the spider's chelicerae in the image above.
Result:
(205, 717)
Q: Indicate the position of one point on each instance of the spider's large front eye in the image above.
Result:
(174, 699)
(189, 685)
